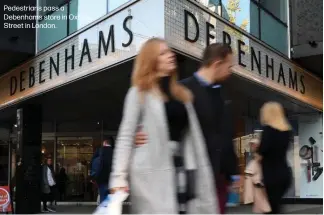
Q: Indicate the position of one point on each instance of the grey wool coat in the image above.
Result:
(148, 170)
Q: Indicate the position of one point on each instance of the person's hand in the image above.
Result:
(140, 138)
(115, 189)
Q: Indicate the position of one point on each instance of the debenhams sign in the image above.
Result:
(295, 80)
(190, 28)
(186, 27)
(109, 42)
(27, 78)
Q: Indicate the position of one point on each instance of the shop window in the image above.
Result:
(74, 156)
(113, 4)
(49, 36)
(48, 148)
(274, 32)
(82, 12)
(277, 8)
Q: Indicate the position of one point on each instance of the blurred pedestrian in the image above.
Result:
(61, 184)
(101, 167)
(174, 160)
(214, 114)
(275, 140)
(48, 184)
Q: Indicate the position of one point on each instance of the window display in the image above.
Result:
(311, 156)
(305, 157)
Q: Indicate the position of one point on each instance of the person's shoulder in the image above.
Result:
(133, 91)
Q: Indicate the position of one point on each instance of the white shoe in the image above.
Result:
(45, 211)
(51, 210)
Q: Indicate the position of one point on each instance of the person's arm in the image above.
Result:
(125, 140)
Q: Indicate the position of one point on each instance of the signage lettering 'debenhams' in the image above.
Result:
(27, 78)
(294, 80)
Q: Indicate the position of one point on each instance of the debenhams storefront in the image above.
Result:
(79, 85)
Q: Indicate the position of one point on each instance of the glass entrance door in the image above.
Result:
(74, 155)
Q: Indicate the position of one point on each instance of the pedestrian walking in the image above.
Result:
(48, 185)
(101, 168)
(275, 140)
(62, 181)
(214, 114)
(171, 173)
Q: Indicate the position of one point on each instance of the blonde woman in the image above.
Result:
(171, 173)
(273, 149)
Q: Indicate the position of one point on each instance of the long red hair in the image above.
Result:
(145, 76)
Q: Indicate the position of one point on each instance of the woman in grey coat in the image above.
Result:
(170, 174)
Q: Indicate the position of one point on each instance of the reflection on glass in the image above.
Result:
(47, 148)
(48, 4)
(274, 33)
(48, 36)
(211, 4)
(82, 12)
(254, 24)
(240, 13)
(73, 160)
(113, 4)
(277, 8)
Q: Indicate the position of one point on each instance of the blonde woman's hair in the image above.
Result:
(273, 115)
(145, 76)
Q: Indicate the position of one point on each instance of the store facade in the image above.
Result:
(108, 46)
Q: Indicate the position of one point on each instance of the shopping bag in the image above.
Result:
(233, 198)
(113, 204)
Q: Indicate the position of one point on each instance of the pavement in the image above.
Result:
(243, 209)
(287, 209)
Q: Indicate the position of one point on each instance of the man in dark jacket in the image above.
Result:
(214, 114)
(102, 178)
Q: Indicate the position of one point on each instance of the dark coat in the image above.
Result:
(215, 116)
(273, 148)
(106, 162)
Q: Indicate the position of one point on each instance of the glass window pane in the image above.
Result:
(211, 4)
(74, 155)
(113, 4)
(48, 4)
(254, 25)
(277, 8)
(274, 33)
(48, 36)
(242, 13)
(83, 12)
(48, 148)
